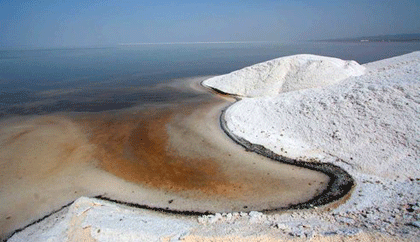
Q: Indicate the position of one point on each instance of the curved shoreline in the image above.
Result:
(321, 199)
(340, 184)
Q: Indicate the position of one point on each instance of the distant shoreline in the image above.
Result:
(367, 41)
(377, 38)
(198, 42)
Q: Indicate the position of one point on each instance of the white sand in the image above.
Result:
(367, 124)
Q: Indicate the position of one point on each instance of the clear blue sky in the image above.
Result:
(107, 22)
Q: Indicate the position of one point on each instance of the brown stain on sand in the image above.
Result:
(135, 148)
(17, 136)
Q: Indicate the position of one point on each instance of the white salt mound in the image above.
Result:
(285, 74)
(370, 122)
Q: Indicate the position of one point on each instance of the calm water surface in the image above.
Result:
(97, 79)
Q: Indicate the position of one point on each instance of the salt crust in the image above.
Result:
(370, 122)
(285, 74)
(89, 219)
(369, 125)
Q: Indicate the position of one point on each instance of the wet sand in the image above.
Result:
(171, 155)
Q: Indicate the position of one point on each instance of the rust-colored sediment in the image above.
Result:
(135, 148)
(16, 137)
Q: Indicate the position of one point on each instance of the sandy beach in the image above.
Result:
(364, 120)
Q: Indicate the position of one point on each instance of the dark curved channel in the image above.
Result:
(340, 183)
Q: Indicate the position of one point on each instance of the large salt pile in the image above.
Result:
(285, 74)
(370, 122)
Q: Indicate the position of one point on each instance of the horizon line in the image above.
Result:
(196, 42)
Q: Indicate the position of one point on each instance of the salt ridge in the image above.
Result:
(370, 122)
(285, 74)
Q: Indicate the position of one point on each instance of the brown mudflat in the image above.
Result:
(181, 150)
(135, 148)
(169, 155)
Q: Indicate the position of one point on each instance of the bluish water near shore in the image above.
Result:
(97, 79)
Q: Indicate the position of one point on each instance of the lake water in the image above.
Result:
(97, 79)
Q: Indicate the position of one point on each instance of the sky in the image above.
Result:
(75, 23)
